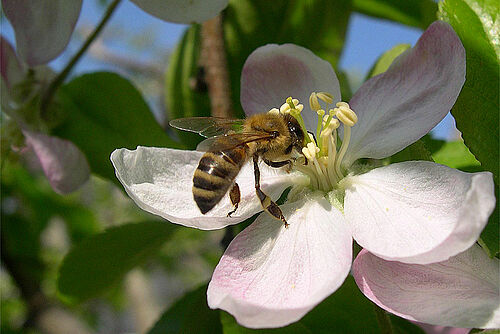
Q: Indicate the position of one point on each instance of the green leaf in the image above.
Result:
(455, 154)
(385, 60)
(476, 110)
(347, 310)
(319, 25)
(95, 264)
(416, 13)
(186, 92)
(190, 314)
(103, 112)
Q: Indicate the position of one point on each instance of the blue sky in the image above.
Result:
(366, 40)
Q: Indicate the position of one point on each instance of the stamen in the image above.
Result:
(347, 116)
(320, 113)
(285, 108)
(326, 97)
(274, 111)
(313, 102)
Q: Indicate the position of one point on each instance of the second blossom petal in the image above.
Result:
(460, 292)
(400, 106)
(160, 181)
(418, 211)
(271, 276)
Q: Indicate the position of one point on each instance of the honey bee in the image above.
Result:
(272, 137)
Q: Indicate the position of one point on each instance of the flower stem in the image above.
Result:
(384, 322)
(59, 79)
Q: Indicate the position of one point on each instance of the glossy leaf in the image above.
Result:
(476, 110)
(103, 112)
(456, 155)
(190, 314)
(186, 91)
(98, 262)
(416, 13)
(345, 311)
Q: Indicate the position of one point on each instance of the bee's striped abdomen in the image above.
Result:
(215, 174)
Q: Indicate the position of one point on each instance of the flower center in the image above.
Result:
(322, 152)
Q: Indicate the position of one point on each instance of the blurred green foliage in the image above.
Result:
(104, 111)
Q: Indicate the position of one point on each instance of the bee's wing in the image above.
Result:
(230, 141)
(207, 126)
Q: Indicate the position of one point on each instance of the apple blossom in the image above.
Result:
(413, 212)
(64, 165)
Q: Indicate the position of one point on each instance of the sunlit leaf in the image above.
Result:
(98, 262)
(416, 13)
(476, 110)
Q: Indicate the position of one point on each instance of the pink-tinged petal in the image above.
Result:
(433, 329)
(64, 165)
(160, 181)
(418, 211)
(271, 276)
(398, 107)
(460, 292)
(182, 11)
(274, 72)
(43, 27)
(10, 68)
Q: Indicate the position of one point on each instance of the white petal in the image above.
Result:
(182, 11)
(460, 292)
(398, 107)
(274, 72)
(64, 165)
(43, 27)
(418, 211)
(160, 181)
(271, 276)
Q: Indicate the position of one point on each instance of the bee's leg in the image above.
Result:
(234, 196)
(278, 164)
(267, 204)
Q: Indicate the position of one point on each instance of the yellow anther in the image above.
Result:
(295, 102)
(310, 151)
(320, 112)
(326, 97)
(334, 123)
(275, 111)
(313, 102)
(285, 107)
(299, 107)
(331, 112)
(345, 114)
